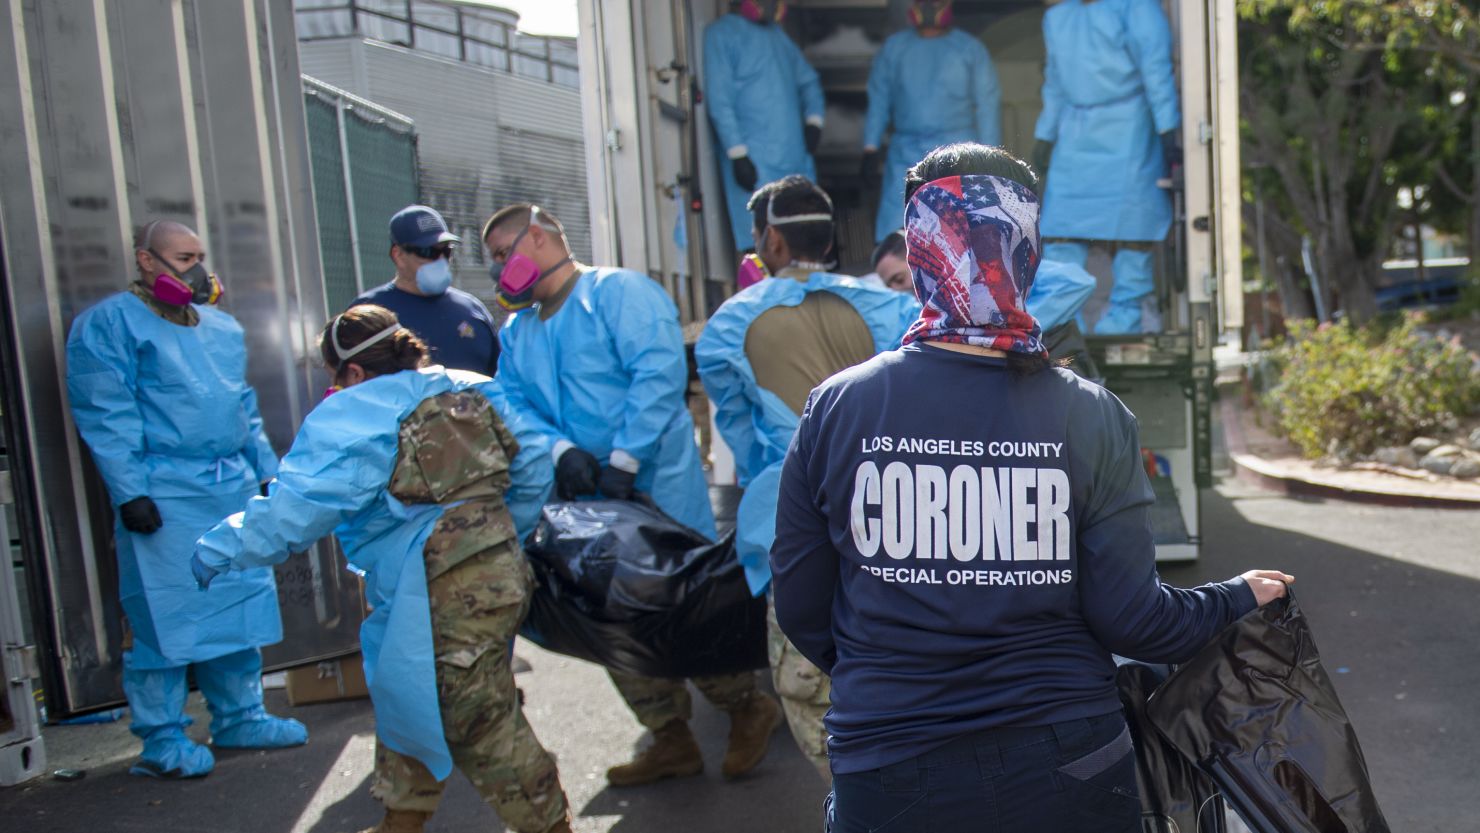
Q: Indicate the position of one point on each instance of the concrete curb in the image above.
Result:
(1276, 477)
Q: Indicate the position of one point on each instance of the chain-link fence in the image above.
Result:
(364, 171)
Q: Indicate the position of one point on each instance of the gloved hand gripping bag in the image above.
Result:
(1176, 796)
(1257, 711)
(623, 585)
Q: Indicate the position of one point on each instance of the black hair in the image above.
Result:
(791, 196)
(965, 158)
(400, 351)
(520, 213)
(894, 244)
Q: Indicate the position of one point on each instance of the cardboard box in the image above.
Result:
(327, 681)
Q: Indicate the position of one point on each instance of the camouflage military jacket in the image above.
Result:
(454, 450)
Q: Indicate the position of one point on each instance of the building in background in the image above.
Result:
(497, 113)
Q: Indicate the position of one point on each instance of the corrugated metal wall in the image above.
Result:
(485, 139)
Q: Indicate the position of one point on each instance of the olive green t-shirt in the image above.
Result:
(794, 349)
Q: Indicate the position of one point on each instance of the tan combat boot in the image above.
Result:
(751, 726)
(674, 753)
(401, 821)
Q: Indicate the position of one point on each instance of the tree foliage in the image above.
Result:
(1346, 103)
(1358, 389)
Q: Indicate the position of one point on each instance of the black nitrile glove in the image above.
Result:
(1170, 152)
(744, 173)
(813, 135)
(1042, 154)
(576, 473)
(616, 484)
(140, 515)
(871, 170)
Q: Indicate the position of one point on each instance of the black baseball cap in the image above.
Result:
(420, 226)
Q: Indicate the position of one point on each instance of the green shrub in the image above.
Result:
(1358, 389)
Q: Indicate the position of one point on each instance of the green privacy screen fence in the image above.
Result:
(364, 170)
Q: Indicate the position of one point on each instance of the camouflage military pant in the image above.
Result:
(806, 694)
(476, 609)
(660, 701)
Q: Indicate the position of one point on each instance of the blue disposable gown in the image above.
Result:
(754, 422)
(934, 91)
(1108, 92)
(336, 478)
(168, 414)
(760, 90)
(608, 372)
(1059, 292)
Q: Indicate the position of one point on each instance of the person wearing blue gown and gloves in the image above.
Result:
(761, 353)
(934, 84)
(765, 102)
(1107, 133)
(427, 477)
(156, 378)
(594, 358)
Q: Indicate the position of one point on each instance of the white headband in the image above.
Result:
(773, 220)
(346, 355)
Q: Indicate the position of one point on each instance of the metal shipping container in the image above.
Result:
(113, 114)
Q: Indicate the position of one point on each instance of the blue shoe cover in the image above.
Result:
(1120, 319)
(172, 755)
(260, 730)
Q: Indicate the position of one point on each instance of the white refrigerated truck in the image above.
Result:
(657, 204)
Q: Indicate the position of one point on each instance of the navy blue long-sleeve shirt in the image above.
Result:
(961, 550)
(455, 325)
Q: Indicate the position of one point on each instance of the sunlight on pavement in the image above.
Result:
(340, 781)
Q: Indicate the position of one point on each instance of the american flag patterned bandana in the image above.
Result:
(973, 251)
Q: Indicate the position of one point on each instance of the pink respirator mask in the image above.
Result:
(752, 271)
(194, 286)
(932, 13)
(517, 274)
(757, 11)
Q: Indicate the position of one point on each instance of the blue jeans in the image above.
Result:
(1072, 777)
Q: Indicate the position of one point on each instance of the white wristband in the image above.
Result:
(624, 461)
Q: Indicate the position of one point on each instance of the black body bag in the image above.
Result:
(1257, 712)
(1176, 796)
(621, 584)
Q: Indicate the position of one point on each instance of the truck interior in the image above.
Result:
(1158, 375)
(840, 38)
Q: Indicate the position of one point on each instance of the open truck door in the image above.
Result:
(655, 173)
(111, 115)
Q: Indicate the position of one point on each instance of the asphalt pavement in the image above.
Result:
(1391, 594)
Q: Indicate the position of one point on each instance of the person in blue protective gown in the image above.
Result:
(1107, 133)
(765, 102)
(935, 85)
(761, 353)
(156, 378)
(594, 358)
(426, 476)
